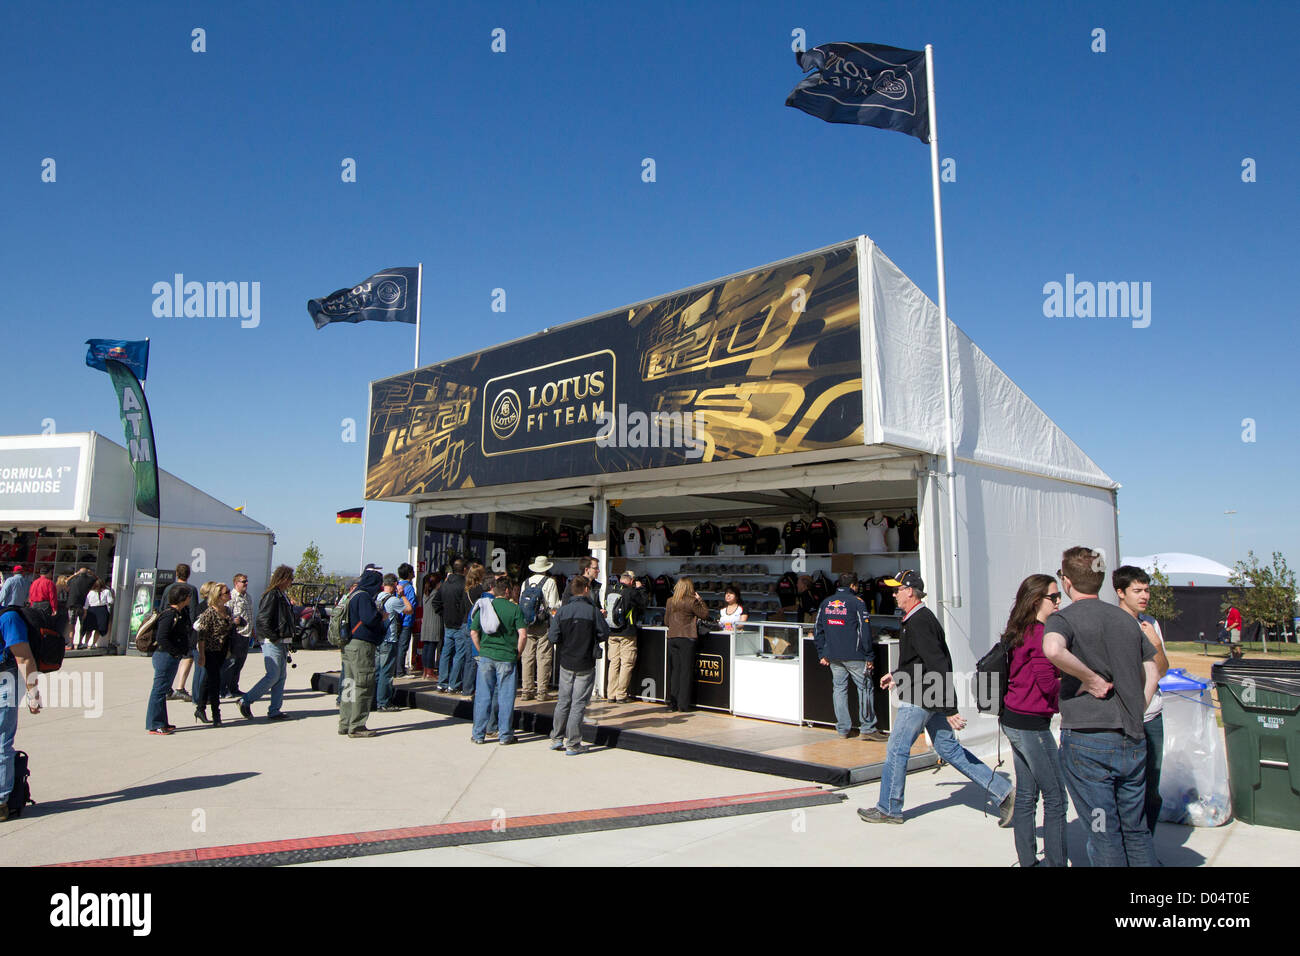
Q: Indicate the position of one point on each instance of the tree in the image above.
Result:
(1162, 606)
(1267, 593)
(309, 568)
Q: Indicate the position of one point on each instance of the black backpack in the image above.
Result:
(624, 612)
(21, 794)
(43, 636)
(992, 672)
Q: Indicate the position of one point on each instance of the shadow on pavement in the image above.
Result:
(162, 788)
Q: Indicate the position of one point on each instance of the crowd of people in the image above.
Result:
(81, 603)
(499, 639)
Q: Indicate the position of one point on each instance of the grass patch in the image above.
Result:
(1250, 649)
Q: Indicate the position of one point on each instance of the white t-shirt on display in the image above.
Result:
(876, 535)
(632, 543)
(657, 543)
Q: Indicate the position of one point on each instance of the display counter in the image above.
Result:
(768, 670)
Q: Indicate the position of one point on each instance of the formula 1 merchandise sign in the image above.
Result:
(39, 479)
(764, 363)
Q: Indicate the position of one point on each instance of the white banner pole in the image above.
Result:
(954, 587)
(419, 304)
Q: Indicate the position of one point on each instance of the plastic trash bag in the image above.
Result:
(1194, 776)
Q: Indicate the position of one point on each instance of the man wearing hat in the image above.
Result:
(13, 593)
(927, 700)
(535, 664)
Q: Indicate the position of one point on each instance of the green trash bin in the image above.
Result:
(1260, 701)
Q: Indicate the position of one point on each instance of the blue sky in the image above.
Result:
(522, 171)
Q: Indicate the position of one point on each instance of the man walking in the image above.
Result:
(189, 614)
(274, 629)
(366, 628)
(1133, 588)
(241, 612)
(498, 664)
(927, 701)
(535, 668)
(628, 608)
(845, 645)
(576, 631)
(452, 604)
(1108, 677)
(405, 588)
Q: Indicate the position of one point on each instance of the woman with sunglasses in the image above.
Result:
(1033, 690)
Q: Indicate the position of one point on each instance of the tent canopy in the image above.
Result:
(1180, 563)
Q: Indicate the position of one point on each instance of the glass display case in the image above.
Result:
(768, 676)
(770, 641)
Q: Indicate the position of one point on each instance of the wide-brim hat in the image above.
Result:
(541, 564)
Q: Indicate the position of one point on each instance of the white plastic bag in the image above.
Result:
(1194, 777)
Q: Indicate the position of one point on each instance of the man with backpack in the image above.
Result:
(405, 588)
(539, 599)
(628, 608)
(452, 604)
(499, 634)
(365, 629)
(17, 670)
(394, 607)
(844, 644)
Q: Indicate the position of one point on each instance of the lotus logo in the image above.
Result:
(389, 293)
(505, 413)
(889, 85)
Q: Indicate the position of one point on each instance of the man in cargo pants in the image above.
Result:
(535, 665)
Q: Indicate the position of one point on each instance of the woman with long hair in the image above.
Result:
(430, 624)
(1032, 698)
(683, 609)
(274, 631)
(213, 629)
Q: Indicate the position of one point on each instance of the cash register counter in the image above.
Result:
(768, 670)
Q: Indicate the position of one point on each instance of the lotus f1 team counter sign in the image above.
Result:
(764, 363)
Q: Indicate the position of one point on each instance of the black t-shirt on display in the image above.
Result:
(564, 543)
(706, 537)
(679, 543)
(746, 536)
(795, 535)
(821, 532)
(787, 588)
(662, 589)
(769, 540)
(907, 527)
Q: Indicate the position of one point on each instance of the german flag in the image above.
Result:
(349, 516)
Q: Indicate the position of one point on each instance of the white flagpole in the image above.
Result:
(362, 564)
(419, 303)
(954, 588)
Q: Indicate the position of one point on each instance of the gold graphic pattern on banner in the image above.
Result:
(415, 423)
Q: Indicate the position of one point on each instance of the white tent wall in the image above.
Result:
(994, 422)
(1011, 525)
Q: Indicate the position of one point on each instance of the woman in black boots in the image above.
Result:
(213, 630)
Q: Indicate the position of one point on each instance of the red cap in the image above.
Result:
(18, 569)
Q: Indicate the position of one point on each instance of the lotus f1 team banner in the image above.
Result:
(865, 84)
(388, 296)
(134, 410)
(134, 355)
(764, 363)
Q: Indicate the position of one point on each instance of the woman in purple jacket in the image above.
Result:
(1033, 689)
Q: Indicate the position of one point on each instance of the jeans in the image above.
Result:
(357, 688)
(841, 671)
(11, 682)
(237, 654)
(575, 694)
(454, 668)
(1155, 734)
(385, 667)
(1038, 770)
(403, 645)
(909, 723)
(1106, 774)
(426, 654)
(164, 672)
(495, 685)
(273, 658)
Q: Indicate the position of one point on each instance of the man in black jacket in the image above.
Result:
(576, 631)
(628, 608)
(366, 628)
(78, 587)
(927, 701)
(844, 644)
(451, 603)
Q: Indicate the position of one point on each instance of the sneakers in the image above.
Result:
(280, 716)
(162, 731)
(573, 751)
(363, 732)
(527, 696)
(875, 736)
(872, 815)
(478, 740)
(557, 744)
(506, 742)
(389, 709)
(1007, 810)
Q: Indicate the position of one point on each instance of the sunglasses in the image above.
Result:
(1054, 598)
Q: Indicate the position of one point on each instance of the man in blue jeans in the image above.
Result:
(394, 606)
(452, 604)
(17, 670)
(844, 644)
(1108, 677)
(274, 630)
(927, 701)
(406, 588)
(498, 664)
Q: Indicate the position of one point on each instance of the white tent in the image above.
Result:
(1180, 564)
(1024, 491)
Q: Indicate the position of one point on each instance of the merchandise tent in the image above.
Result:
(807, 388)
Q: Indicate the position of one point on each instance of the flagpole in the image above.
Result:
(363, 538)
(955, 587)
(419, 297)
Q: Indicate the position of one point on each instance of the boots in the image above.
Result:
(216, 716)
(201, 713)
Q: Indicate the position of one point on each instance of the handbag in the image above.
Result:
(705, 628)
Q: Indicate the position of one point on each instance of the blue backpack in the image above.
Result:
(533, 604)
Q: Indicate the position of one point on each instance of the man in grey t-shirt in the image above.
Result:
(1108, 675)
